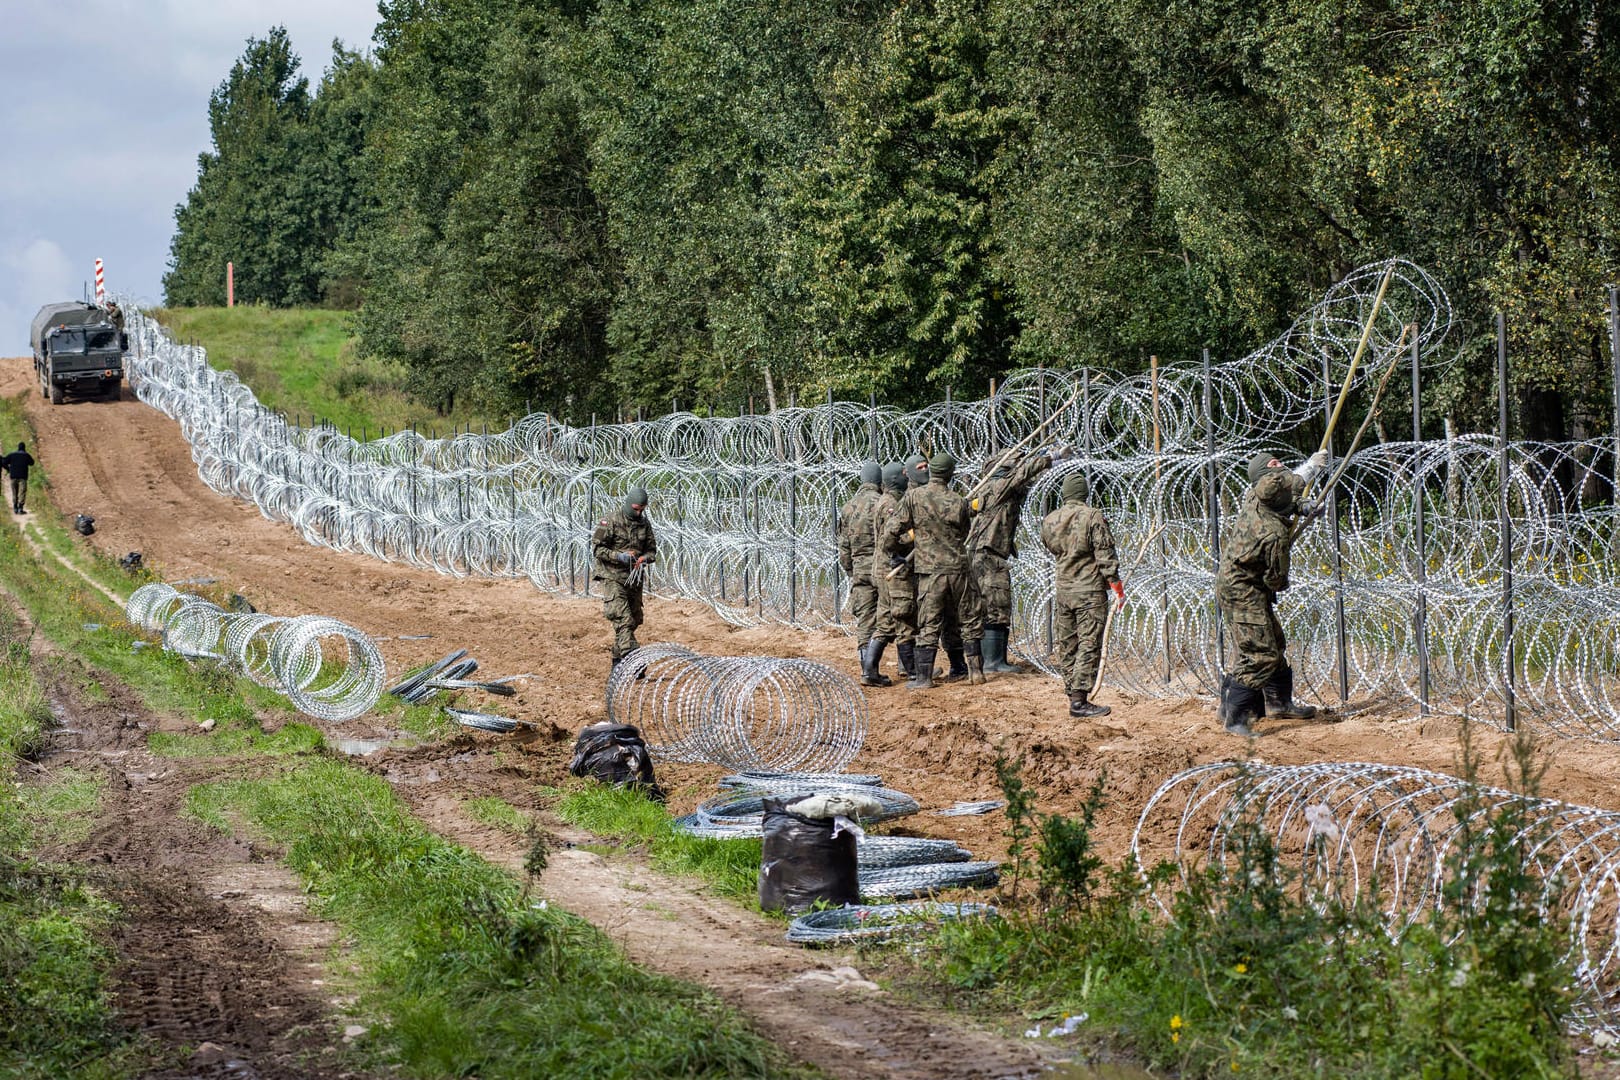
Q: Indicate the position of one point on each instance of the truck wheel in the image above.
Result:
(57, 396)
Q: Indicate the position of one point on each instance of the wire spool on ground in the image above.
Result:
(746, 713)
(906, 882)
(879, 922)
(741, 813)
(298, 656)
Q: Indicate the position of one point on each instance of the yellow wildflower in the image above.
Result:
(1175, 1022)
(1242, 969)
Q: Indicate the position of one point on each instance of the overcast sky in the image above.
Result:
(103, 111)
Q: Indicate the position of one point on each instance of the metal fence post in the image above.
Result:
(1421, 614)
(1511, 715)
(1213, 480)
(1338, 557)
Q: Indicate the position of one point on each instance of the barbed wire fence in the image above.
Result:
(1409, 596)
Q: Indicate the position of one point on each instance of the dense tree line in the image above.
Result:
(616, 204)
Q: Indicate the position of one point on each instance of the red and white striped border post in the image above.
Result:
(101, 284)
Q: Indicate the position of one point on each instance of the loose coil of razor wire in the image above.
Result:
(291, 655)
(745, 507)
(1393, 836)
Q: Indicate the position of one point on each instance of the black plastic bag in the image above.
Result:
(614, 754)
(84, 524)
(804, 862)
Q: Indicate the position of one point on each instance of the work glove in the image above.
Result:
(647, 559)
(897, 561)
(1061, 452)
(1311, 509)
(1119, 591)
(625, 558)
(1313, 465)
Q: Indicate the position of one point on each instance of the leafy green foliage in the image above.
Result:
(627, 204)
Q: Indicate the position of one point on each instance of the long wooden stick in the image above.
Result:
(1113, 608)
(1355, 361)
(986, 478)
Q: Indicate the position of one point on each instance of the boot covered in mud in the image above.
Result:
(1279, 693)
(922, 668)
(615, 754)
(993, 648)
(1240, 707)
(904, 652)
(975, 663)
(959, 668)
(1081, 707)
(871, 663)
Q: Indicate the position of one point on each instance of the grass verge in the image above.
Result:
(56, 1017)
(301, 361)
(468, 975)
(730, 867)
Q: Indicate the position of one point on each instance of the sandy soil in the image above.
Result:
(127, 465)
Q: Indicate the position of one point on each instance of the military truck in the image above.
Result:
(78, 349)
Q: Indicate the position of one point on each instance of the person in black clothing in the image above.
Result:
(16, 465)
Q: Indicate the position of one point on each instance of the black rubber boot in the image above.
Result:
(1079, 707)
(975, 663)
(1240, 706)
(871, 664)
(994, 650)
(908, 662)
(922, 668)
(1279, 693)
(959, 668)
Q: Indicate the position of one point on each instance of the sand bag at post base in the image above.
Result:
(614, 754)
(804, 860)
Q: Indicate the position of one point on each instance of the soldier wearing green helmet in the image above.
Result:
(624, 547)
(896, 594)
(1081, 542)
(1255, 552)
(855, 546)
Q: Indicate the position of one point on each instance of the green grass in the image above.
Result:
(730, 867)
(236, 741)
(56, 1018)
(301, 361)
(466, 974)
(499, 813)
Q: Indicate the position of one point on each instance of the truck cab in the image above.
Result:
(79, 350)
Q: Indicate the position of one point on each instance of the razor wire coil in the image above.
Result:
(1393, 836)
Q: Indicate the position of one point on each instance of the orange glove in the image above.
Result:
(1119, 591)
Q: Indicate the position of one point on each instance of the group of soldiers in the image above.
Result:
(929, 569)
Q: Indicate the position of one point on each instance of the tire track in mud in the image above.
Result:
(219, 962)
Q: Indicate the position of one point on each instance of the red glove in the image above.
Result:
(1119, 591)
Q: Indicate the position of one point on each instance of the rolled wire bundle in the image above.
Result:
(741, 712)
(908, 882)
(882, 852)
(746, 508)
(293, 656)
(796, 780)
(879, 922)
(741, 813)
(1394, 836)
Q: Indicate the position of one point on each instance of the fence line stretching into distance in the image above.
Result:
(1413, 552)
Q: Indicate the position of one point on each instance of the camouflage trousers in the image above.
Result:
(896, 605)
(621, 604)
(1078, 633)
(1258, 639)
(863, 604)
(946, 602)
(993, 577)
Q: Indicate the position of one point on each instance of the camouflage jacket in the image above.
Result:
(1080, 540)
(939, 518)
(855, 521)
(620, 532)
(1001, 505)
(888, 505)
(1255, 547)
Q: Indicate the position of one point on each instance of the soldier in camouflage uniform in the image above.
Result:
(897, 598)
(1079, 539)
(937, 519)
(855, 524)
(950, 636)
(1254, 569)
(993, 540)
(624, 547)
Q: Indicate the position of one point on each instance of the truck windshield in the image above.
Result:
(67, 341)
(102, 339)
